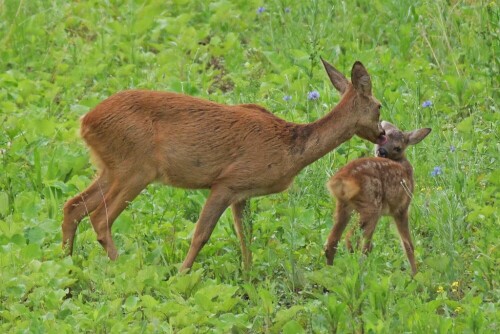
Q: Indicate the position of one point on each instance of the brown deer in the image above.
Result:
(374, 187)
(237, 151)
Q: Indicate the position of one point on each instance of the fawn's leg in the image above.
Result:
(404, 233)
(218, 200)
(80, 206)
(368, 222)
(121, 192)
(342, 216)
(243, 227)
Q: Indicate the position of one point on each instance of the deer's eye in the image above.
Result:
(397, 149)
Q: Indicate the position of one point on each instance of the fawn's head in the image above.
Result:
(397, 141)
(357, 94)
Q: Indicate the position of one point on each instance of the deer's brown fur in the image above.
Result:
(375, 187)
(236, 151)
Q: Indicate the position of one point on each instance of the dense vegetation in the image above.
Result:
(433, 64)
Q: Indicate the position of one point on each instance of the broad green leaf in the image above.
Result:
(34, 234)
(439, 263)
(293, 327)
(149, 301)
(466, 126)
(130, 303)
(284, 316)
(31, 251)
(267, 300)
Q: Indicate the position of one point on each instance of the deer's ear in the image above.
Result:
(361, 79)
(338, 80)
(416, 136)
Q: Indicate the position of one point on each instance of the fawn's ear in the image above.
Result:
(416, 136)
(361, 79)
(387, 126)
(338, 80)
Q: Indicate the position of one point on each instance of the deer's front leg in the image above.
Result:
(218, 200)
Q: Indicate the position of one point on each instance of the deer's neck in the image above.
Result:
(325, 134)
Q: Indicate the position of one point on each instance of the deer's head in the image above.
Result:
(363, 107)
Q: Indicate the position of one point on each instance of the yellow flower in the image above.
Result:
(454, 284)
(439, 188)
(440, 289)
(459, 309)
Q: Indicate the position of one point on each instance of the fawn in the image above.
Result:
(375, 187)
(237, 151)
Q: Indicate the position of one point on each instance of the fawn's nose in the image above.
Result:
(382, 152)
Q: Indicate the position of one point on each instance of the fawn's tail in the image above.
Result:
(344, 189)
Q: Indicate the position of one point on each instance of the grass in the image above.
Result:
(59, 59)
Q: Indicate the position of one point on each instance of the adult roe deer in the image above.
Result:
(238, 152)
(375, 187)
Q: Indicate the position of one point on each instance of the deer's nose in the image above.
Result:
(382, 152)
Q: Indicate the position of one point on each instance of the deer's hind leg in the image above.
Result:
(120, 193)
(81, 205)
(243, 227)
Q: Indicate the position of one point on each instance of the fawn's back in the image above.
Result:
(377, 184)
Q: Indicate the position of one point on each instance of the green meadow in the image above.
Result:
(432, 63)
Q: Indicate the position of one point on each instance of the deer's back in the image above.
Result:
(190, 142)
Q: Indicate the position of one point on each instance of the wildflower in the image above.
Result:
(436, 171)
(440, 289)
(439, 188)
(287, 98)
(261, 10)
(452, 148)
(459, 309)
(454, 286)
(314, 95)
(287, 10)
(426, 104)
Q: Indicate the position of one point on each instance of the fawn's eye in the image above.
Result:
(397, 149)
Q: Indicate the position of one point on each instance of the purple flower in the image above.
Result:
(287, 10)
(426, 104)
(452, 148)
(287, 98)
(436, 171)
(261, 10)
(314, 95)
